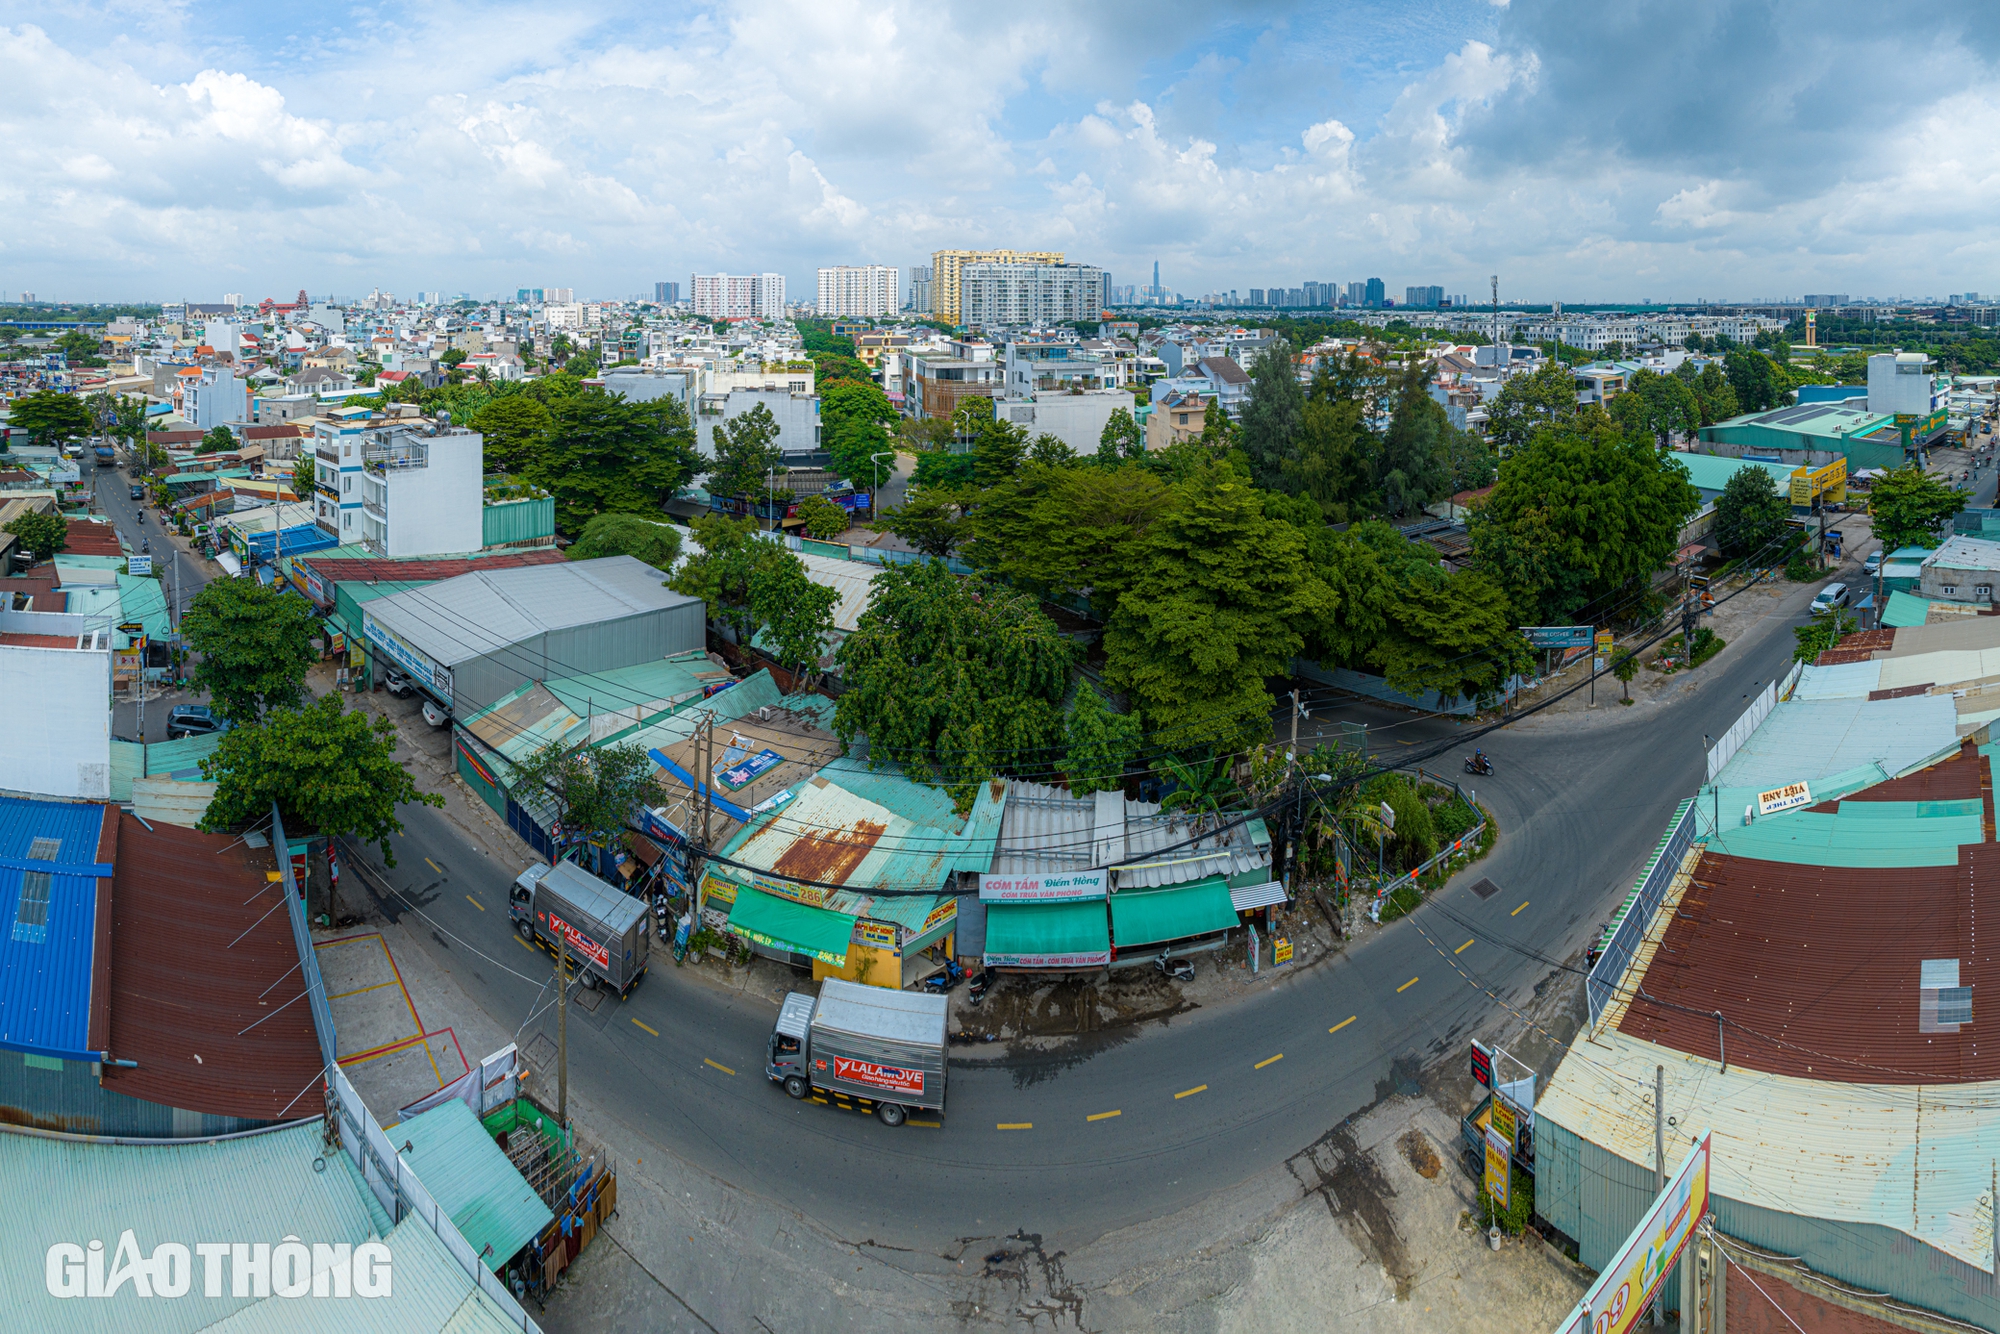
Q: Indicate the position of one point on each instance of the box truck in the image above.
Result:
(608, 930)
(867, 1047)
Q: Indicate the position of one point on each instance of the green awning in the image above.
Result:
(1149, 916)
(1047, 935)
(797, 927)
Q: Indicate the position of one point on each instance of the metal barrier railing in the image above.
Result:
(1608, 973)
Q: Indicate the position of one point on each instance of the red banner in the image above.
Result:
(581, 944)
(878, 1076)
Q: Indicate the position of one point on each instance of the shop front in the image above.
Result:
(789, 931)
(1048, 922)
(1174, 920)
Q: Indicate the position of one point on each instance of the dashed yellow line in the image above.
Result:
(1015, 1125)
(435, 866)
(1102, 1116)
(1189, 1093)
(933, 1125)
(1343, 1023)
(1463, 948)
(522, 942)
(1517, 911)
(475, 903)
(649, 1028)
(717, 1064)
(1406, 986)
(1268, 1060)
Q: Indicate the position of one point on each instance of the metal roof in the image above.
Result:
(47, 970)
(1846, 680)
(795, 1015)
(904, 1016)
(1808, 739)
(1961, 552)
(1860, 833)
(181, 1012)
(485, 1195)
(613, 907)
(1046, 829)
(474, 614)
(1711, 472)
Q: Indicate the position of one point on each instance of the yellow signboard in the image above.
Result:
(715, 889)
(882, 935)
(1828, 483)
(1504, 1121)
(1281, 951)
(810, 895)
(1499, 1170)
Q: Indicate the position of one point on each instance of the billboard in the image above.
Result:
(1617, 1301)
(889, 1078)
(1053, 887)
(1558, 636)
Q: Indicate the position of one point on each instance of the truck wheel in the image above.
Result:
(590, 982)
(796, 1085)
(891, 1113)
(527, 929)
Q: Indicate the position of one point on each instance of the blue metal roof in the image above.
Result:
(45, 972)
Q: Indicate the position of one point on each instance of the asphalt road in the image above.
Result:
(1136, 1123)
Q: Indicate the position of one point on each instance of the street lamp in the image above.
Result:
(874, 495)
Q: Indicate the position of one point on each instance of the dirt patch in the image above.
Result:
(1416, 1147)
(1019, 1008)
(1358, 1195)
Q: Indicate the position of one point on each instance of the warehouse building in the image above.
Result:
(470, 641)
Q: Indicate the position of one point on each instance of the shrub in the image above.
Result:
(1520, 1203)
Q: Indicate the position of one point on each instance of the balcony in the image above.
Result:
(399, 454)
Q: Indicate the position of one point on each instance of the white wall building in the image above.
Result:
(863, 290)
(797, 416)
(563, 314)
(216, 397)
(421, 492)
(55, 720)
(1029, 295)
(1075, 418)
(738, 296)
(338, 437)
(1901, 382)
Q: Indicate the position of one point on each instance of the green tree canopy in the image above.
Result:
(49, 417)
(746, 454)
(329, 771)
(43, 534)
(305, 474)
(515, 430)
(1750, 512)
(1273, 416)
(1910, 507)
(1660, 406)
(606, 453)
(930, 520)
(1415, 467)
(797, 613)
(1579, 514)
(255, 646)
(658, 544)
(597, 790)
(215, 440)
(1121, 438)
(1759, 383)
(1097, 743)
(823, 519)
(953, 679)
(723, 573)
(856, 421)
(1527, 403)
(1065, 531)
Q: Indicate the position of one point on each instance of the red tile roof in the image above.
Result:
(19, 640)
(173, 437)
(279, 431)
(180, 990)
(418, 570)
(40, 587)
(85, 537)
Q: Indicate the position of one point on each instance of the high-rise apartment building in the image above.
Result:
(1374, 294)
(946, 266)
(564, 295)
(1423, 298)
(738, 296)
(1256, 296)
(666, 294)
(920, 289)
(528, 296)
(1357, 294)
(1021, 294)
(866, 290)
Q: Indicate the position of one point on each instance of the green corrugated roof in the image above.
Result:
(1711, 472)
(799, 927)
(143, 599)
(472, 1181)
(1149, 916)
(1025, 932)
(1860, 834)
(173, 478)
(1905, 609)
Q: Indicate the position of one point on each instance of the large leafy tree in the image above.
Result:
(1750, 512)
(606, 453)
(856, 422)
(305, 473)
(1218, 602)
(1657, 405)
(1527, 403)
(1581, 513)
(1759, 382)
(746, 454)
(657, 544)
(930, 519)
(43, 534)
(724, 572)
(255, 647)
(1338, 453)
(823, 519)
(596, 789)
(1714, 400)
(215, 441)
(797, 613)
(329, 770)
(515, 430)
(953, 679)
(1415, 467)
(1273, 417)
(1121, 438)
(1097, 743)
(1910, 506)
(49, 417)
(1060, 531)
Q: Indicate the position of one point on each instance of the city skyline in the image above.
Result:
(217, 148)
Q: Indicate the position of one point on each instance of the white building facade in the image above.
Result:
(867, 291)
(1025, 295)
(738, 296)
(421, 492)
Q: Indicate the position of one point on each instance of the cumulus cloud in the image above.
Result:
(1579, 151)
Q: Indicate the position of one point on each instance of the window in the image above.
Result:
(1949, 589)
(31, 915)
(1983, 591)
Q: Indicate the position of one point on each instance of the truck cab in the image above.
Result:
(521, 898)
(785, 1059)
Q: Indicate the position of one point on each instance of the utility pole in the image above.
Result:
(698, 865)
(1659, 1170)
(562, 1024)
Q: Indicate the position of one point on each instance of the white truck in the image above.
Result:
(609, 932)
(864, 1047)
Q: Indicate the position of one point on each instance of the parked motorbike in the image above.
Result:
(1478, 763)
(1180, 970)
(939, 983)
(977, 991)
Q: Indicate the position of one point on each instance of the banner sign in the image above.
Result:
(413, 658)
(1784, 798)
(1617, 1302)
(579, 944)
(945, 910)
(1499, 1178)
(889, 1078)
(744, 774)
(1482, 1065)
(811, 895)
(1084, 959)
(1281, 951)
(139, 565)
(1559, 636)
(1053, 887)
(879, 935)
(1830, 481)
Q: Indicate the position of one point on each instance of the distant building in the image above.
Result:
(1374, 294)
(1901, 383)
(867, 291)
(1357, 294)
(947, 266)
(920, 289)
(529, 296)
(565, 295)
(216, 396)
(1024, 294)
(1423, 298)
(667, 294)
(738, 296)
(1176, 417)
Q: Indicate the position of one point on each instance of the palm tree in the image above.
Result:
(1202, 787)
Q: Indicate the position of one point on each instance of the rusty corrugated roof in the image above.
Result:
(1816, 969)
(87, 537)
(1960, 778)
(181, 992)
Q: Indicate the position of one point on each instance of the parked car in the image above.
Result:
(138, 491)
(194, 720)
(396, 683)
(1873, 565)
(436, 714)
(1833, 595)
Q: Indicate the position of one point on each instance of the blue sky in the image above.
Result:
(1601, 151)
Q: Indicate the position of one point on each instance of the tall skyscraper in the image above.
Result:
(996, 295)
(866, 290)
(562, 295)
(666, 294)
(920, 288)
(947, 264)
(1374, 294)
(1423, 298)
(1156, 281)
(1357, 294)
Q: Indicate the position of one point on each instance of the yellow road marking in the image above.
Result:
(1268, 1060)
(435, 866)
(1198, 1088)
(1102, 1116)
(475, 903)
(1406, 986)
(1015, 1125)
(1343, 1023)
(650, 1029)
(1463, 948)
(524, 944)
(1517, 911)
(358, 990)
(934, 1125)
(718, 1065)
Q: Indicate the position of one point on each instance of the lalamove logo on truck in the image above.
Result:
(580, 943)
(889, 1077)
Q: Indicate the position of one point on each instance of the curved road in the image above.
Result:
(1182, 1109)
